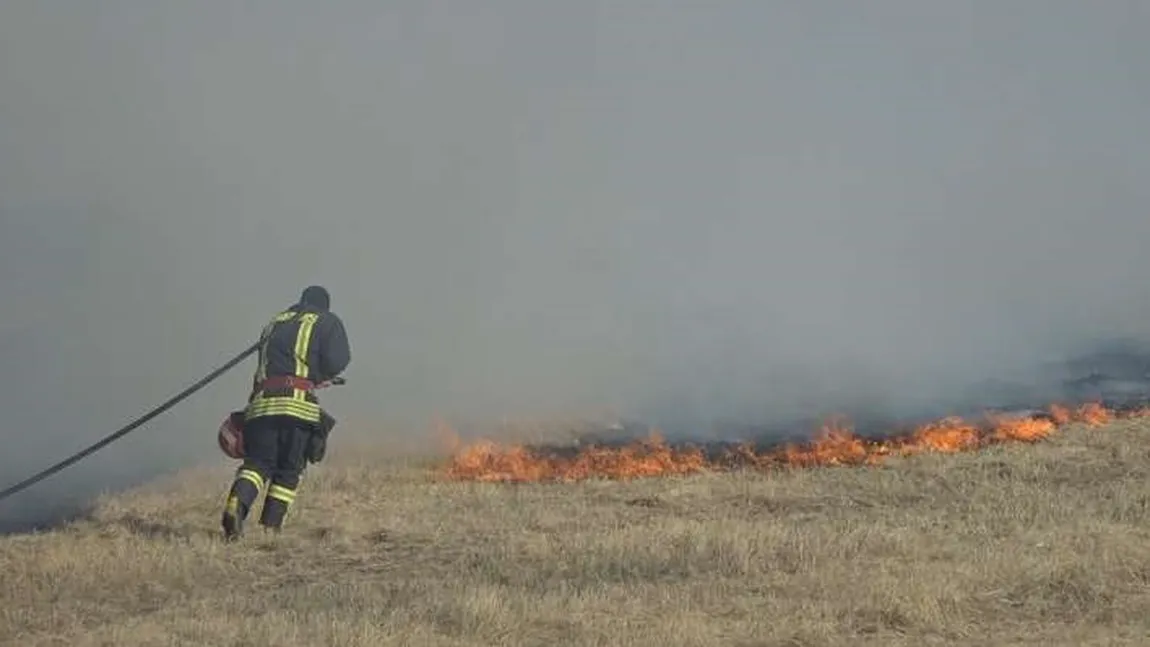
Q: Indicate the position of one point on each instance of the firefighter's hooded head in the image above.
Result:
(317, 297)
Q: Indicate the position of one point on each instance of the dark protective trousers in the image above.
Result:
(275, 449)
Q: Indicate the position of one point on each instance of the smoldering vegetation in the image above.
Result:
(706, 218)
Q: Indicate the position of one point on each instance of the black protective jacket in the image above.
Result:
(300, 342)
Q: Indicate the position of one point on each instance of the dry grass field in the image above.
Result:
(1044, 544)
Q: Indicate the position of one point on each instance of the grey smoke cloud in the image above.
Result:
(682, 211)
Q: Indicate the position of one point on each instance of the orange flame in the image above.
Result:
(485, 461)
(1094, 414)
(835, 444)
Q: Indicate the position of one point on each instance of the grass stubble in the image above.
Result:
(1043, 544)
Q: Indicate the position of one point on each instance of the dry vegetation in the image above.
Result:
(1043, 544)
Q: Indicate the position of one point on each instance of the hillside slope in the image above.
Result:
(1045, 544)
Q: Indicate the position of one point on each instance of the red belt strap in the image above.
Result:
(287, 382)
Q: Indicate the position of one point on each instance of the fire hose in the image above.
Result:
(126, 429)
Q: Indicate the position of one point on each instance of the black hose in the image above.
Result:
(32, 480)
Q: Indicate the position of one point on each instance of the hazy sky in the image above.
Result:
(680, 210)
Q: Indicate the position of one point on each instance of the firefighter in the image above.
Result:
(284, 426)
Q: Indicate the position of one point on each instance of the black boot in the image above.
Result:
(245, 490)
(233, 518)
(276, 506)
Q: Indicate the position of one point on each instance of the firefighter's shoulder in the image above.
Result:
(330, 327)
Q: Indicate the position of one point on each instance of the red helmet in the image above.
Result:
(231, 435)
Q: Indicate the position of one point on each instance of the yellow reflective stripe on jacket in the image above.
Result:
(302, 343)
(283, 406)
(296, 405)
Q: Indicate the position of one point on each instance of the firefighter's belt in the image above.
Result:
(286, 382)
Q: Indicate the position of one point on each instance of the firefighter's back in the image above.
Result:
(301, 347)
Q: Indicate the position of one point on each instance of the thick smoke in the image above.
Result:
(684, 212)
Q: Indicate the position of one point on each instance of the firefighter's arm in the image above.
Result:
(335, 354)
